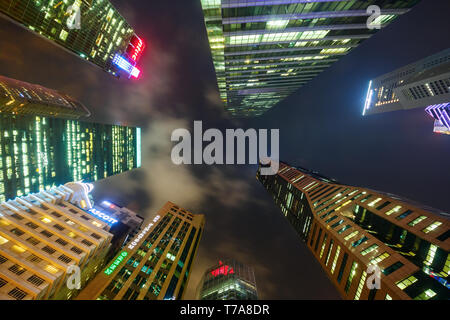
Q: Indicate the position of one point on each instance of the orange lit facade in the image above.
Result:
(350, 228)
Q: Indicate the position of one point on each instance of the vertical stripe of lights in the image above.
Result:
(138, 147)
(368, 98)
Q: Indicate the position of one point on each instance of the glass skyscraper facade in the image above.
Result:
(156, 264)
(39, 152)
(263, 50)
(229, 280)
(417, 85)
(92, 29)
(350, 228)
(22, 98)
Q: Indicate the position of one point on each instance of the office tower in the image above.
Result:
(350, 228)
(417, 85)
(229, 280)
(37, 152)
(42, 237)
(128, 224)
(22, 98)
(441, 114)
(264, 50)
(91, 29)
(156, 264)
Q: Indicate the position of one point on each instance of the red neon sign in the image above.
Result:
(223, 269)
(135, 48)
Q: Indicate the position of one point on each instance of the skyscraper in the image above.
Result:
(91, 29)
(263, 50)
(37, 152)
(22, 98)
(42, 236)
(127, 226)
(156, 264)
(229, 280)
(417, 85)
(350, 228)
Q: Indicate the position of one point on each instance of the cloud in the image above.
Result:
(164, 181)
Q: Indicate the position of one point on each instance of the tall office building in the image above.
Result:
(127, 224)
(91, 29)
(263, 50)
(43, 236)
(417, 85)
(156, 264)
(22, 98)
(229, 280)
(350, 228)
(37, 152)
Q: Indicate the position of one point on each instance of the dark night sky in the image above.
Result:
(321, 127)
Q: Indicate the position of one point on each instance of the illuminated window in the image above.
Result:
(333, 51)
(430, 255)
(46, 220)
(362, 281)
(426, 295)
(371, 204)
(338, 250)
(369, 249)
(277, 24)
(379, 258)
(323, 245)
(416, 221)
(406, 282)
(350, 276)
(395, 209)
(351, 235)
(97, 224)
(3, 240)
(432, 226)
(318, 34)
(383, 19)
(51, 269)
(18, 249)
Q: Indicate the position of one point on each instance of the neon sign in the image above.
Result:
(102, 216)
(126, 66)
(222, 270)
(108, 204)
(436, 276)
(440, 112)
(142, 234)
(135, 48)
(116, 262)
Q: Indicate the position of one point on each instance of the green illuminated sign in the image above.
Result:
(116, 262)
